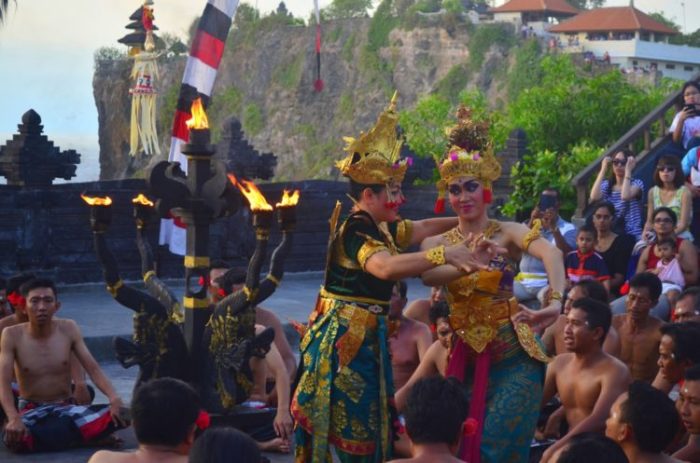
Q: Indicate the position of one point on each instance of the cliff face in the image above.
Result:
(266, 80)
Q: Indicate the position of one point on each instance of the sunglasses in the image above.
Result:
(470, 187)
(619, 162)
(666, 169)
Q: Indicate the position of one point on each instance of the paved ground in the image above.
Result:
(101, 318)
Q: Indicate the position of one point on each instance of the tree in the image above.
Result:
(660, 17)
(586, 4)
(343, 9)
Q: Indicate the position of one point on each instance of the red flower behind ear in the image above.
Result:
(16, 299)
(203, 420)
(470, 426)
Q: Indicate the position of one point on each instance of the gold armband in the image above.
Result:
(555, 296)
(436, 255)
(532, 235)
(115, 287)
(275, 281)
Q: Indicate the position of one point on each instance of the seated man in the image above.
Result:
(587, 379)
(15, 301)
(5, 309)
(688, 406)
(164, 412)
(41, 351)
(409, 339)
(590, 447)
(644, 422)
(553, 337)
(687, 308)
(420, 308)
(435, 415)
(679, 350)
(639, 331)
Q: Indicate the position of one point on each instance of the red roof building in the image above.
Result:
(554, 7)
(617, 19)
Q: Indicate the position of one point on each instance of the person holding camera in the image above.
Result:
(669, 191)
(685, 128)
(622, 190)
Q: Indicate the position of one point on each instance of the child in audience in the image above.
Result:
(585, 263)
(669, 270)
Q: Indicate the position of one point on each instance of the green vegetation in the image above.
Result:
(454, 82)
(252, 119)
(348, 50)
(223, 104)
(344, 9)
(288, 74)
(109, 54)
(487, 35)
(166, 114)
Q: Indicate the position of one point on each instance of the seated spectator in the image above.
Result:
(679, 350)
(615, 249)
(419, 309)
(669, 270)
(435, 414)
(409, 339)
(224, 445)
(553, 337)
(669, 191)
(688, 406)
(46, 419)
(5, 309)
(164, 414)
(687, 307)
(584, 263)
(640, 333)
(622, 190)
(15, 300)
(644, 422)
(685, 127)
(530, 284)
(434, 362)
(590, 447)
(587, 379)
(691, 170)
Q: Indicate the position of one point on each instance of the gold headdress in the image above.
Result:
(470, 154)
(373, 157)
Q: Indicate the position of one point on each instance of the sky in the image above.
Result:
(47, 46)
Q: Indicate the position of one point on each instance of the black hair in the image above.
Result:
(233, 276)
(17, 280)
(435, 410)
(686, 340)
(605, 204)
(37, 283)
(667, 210)
(692, 373)
(649, 281)
(598, 314)
(356, 189)
(587, 229)
(652, 416)
(403, 288)
(671, 161)
(551, 189)
(592, 446)
(224, 445)
(669, 241)
(437, 311)
(690, 83)
(164, 411)
(690, 291)
(628, 153)
(218, 264)
(593, 289)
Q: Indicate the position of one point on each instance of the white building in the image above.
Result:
(539, 15)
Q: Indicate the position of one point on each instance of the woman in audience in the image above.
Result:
(615, 249)
(623, 191)
(685, 127)
(670, 191)
(224, 445)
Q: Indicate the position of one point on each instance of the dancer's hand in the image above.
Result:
(538, 320)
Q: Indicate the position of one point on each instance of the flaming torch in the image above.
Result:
(100, 212)
(198, 124)
(287, 210)
(143, 209)
(262, 210)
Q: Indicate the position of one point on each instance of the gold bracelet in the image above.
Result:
(436, 255)
(555, 296)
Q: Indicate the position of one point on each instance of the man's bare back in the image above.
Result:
(434, 362)
(142, 455)
(639, 346)
(407, 347)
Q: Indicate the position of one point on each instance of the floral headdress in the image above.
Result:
(470, 154)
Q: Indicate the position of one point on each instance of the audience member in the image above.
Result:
(224, 445)
(409, 339)
(669, 191)
(688, 405)
(679, 350)
(640, 332)
(15, 301)
(615, 249)
(42, 348)
(644, 422)
(669, 270)
(687, 307)
(530, 284)
(553, 337)
(590, 447)
(435, 414)
(685, 128)
(623, 191)
(584, 263)
(5, 309)
(164, 414)
(587, 379)
(420, 308)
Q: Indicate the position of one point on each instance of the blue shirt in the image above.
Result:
(531, 264)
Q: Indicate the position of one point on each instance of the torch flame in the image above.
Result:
(96, 200)
(199, 117)
(143, 200)
(289, 199)
(253, 195)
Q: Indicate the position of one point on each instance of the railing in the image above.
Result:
(652, 131)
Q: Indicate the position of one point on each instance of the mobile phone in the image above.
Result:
(546, 202)
(693, 110)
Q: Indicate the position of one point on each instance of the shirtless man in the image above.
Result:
(688, 406)
(687, 307)
(644, 422)
(420, 308)
(679, 350)
(640, 332)
(5, 309)
(40, 353)
(587, 379)
(410, 340)
(435, 414)
(553, 337)
(164, 413)
(434, 362)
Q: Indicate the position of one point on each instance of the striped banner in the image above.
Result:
(197, 82)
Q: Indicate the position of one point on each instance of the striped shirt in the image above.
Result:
(632, 210)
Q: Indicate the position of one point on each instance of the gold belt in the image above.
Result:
(478, 319)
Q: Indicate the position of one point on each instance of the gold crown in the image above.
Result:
(373, 157)
(470, 153)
